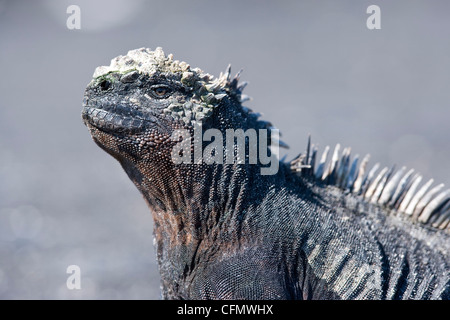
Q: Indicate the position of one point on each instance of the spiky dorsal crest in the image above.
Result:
(399, 190)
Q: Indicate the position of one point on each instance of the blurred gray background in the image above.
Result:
(312, 67)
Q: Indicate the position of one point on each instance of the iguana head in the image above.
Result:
(133, 106)
(145, 94)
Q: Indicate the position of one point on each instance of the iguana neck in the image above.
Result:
(192, 198)
(193, 206)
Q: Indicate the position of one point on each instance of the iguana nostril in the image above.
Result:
(105, 85)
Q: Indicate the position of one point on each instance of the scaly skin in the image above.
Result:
(224, 231)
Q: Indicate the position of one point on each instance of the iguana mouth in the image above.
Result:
(113, 122)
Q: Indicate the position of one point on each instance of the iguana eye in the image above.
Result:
(161, 91)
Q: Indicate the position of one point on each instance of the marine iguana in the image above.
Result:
(226, 231)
